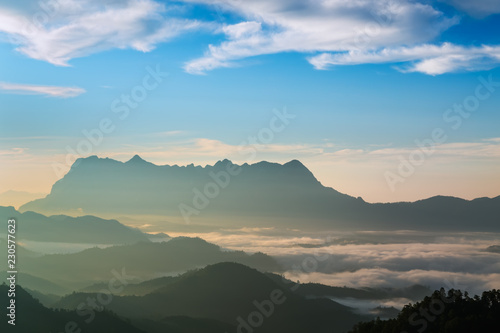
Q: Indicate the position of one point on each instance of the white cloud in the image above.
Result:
(426, 58)
(456, 151)
(401, 259)
(312, 26)
(13, 151)
(51, 91)
(169, 133)
(344, 32)
(488, 149)
(72, 29)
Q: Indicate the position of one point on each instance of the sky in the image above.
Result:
(387, 100)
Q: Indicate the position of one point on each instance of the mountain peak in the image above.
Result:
(223, 163)
(136, 159)
(295, 164)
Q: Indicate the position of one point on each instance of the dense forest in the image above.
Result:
(452, 312)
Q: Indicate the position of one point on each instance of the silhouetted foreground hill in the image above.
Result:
(233, 294)
(33, 317)
(65, 229)
(264, 190)
(142, 260)
(182, 324)
(442, 312)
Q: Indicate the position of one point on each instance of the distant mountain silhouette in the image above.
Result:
(46, 299)
(142, 260)
(36, 284)
(135, 289)
(414, 292)
(259, 192)
(18, 198)
(226, 292)
(67, 229)
(493, 249)
(31, 316)
(308, 290)
(21, 251)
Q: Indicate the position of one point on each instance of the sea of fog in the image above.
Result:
(374, 259)
(357, 259)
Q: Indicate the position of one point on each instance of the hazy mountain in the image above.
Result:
(226, 292)
(493, 249)
(20, 250)
(415, 292)
(136, 289)
(142, 260)
(97, 185)
(286, 194)
(46, 299)
(31, 316)
(66, 229)
(308, 290)
(37, 284)
(18, 198)
(158, 236)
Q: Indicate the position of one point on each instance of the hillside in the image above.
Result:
(66, 229)
(226, 292)
(31, 316)
(142, 260)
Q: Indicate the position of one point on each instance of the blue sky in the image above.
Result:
(364, 80)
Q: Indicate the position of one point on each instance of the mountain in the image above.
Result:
(18, 198)
(233, 294)
(309, 290)
(21, 251)
(263, 193)
(135, 289)
(493, 249)
(31, 316)
(142, 260)
(66, 229)
(46, 300)
(36, 284)
(97, 185)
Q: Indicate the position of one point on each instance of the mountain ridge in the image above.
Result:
(231, 293)
(255, 193)
(67, 229)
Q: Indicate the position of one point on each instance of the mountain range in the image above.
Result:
(234, 294)
(259, 194)
(32, 316)
(66, 229)
(143, 260)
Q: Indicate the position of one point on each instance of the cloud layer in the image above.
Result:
(426, 58)
(336, 25)
(329, 32)
(393, 259)
(62, 30)
(50, 91)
